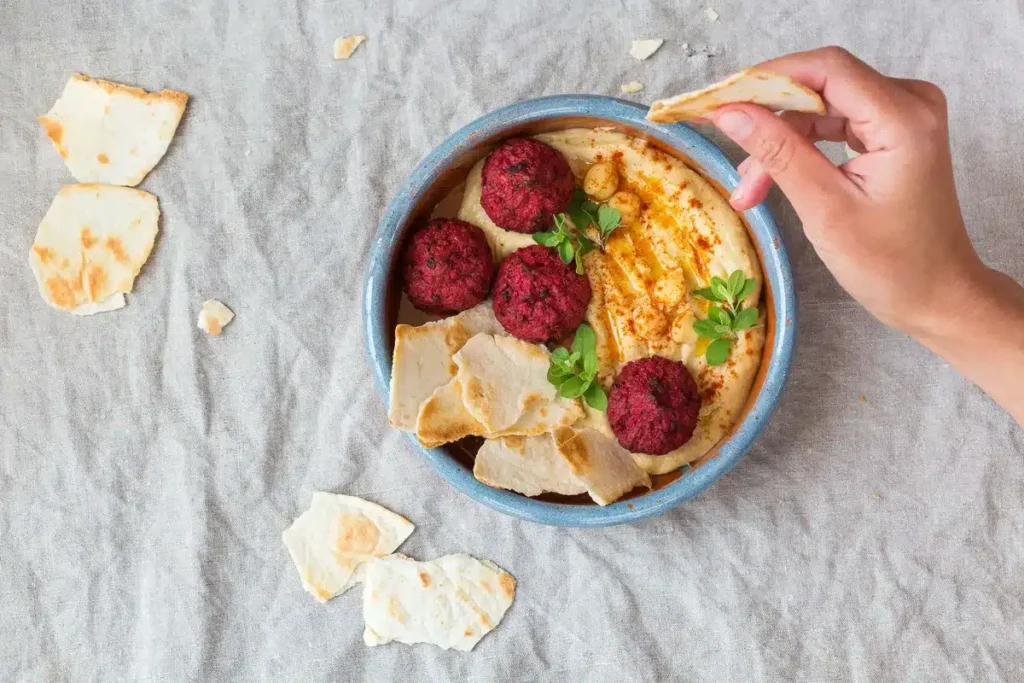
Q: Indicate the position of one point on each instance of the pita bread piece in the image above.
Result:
(607, 469)
(642, 49)
(112, 133)
(91, 244)
(504, 380)
(451, 602)
(423, 359)
(528, 465)
(332, 540)
(344, 47)
(214, 316)
(759, 86)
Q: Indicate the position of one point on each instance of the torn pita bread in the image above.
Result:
(528, 465)
(214, 316)
(642, 49)
(505, 380)
(332, 540)
(91, 244)
(423, 363)
(632, 87)
(769, 89)
(344, 47)
(112, 133)
(606, 468)
(451, 602)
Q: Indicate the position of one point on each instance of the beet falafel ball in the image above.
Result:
(525, 183)
(447, 266)
(653, 406)
(537, 298)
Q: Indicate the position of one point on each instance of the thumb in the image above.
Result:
(802, 172)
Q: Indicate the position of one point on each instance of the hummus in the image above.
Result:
(642, 283)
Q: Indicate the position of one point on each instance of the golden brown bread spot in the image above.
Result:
(103, 158)
(97, 278)
(116, 247)
(110, 88)
(468, 633)
(455, 336)
(359, 534)
(485, 620)
(45, 254)
(213, 326)
(517, 443)
(55, 132)
(60, 293)
(425, 579)
(446, 430)
(574, 449)
(485, 584)
(507, 584)
(322, 592)
(88, 239)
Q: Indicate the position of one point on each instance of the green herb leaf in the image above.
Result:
(720, 289)
(585, 340)
(566, 251)
(573, 387)
(560, 355)
(723, 330)
(574, 358)
(736, 281)
(706, 293)
(578, 210)
(718, 351)
(749, 285)
(608, 219)
(595, 397)
(547, 239)
(706, 329)
(585, 244)
(590, 366)
(746, 318)
(717, 315)
(558, 374)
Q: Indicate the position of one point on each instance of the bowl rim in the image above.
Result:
(713, 161)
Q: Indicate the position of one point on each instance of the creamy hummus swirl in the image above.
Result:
(642, 283)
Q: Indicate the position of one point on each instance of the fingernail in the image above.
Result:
(741, 190)
(735, 124)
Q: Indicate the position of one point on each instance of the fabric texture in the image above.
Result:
(875, 532)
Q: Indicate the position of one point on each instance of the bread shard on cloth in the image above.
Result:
(422, 360)
(112, 133)
(332, 541)
(759, 86)
(500, 389)
(451, 602)
(91, 244)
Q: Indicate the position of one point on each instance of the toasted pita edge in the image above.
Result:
(700, 103)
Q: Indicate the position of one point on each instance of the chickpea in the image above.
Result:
(601, 181)
(628, 205)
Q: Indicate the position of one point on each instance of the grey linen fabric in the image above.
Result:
(875, 532)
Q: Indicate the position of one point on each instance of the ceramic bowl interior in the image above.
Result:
(445, 168)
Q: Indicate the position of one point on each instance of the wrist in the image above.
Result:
(980, 302)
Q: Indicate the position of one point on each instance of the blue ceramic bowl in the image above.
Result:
(446, 167)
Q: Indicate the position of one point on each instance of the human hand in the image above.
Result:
(886, 223)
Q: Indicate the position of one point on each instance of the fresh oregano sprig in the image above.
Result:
(585, 213)
(725, 320)
(570, 244)
(574, 372)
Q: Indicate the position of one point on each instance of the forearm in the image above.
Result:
(983, 337)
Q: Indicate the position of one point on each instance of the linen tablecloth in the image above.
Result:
(875, 532)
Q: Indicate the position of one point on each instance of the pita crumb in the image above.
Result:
(112, 133)
(711, 14)
(214, 316)
(644, 48)
(344, 47)
(630, 88)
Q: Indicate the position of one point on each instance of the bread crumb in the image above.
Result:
(635, 86)
(711, 13)
(344, 47)
(644, 48)
(214, 316)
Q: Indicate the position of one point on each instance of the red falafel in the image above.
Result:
(447, 266)
(653, 406)
(525, 183)
(537, 298)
